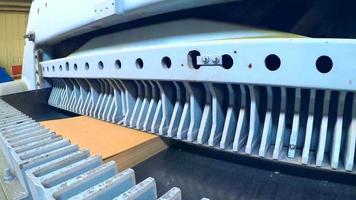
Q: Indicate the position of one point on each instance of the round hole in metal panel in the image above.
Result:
(166, 62)
(227, 61)
(139, 63)
(192, 59)
(53, 69)
(67, 66)
(117, 64)
(101, 65)
(324, 64)
(60, 67)
(272, 62)
(75, 67)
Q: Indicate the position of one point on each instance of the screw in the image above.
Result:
(216, 60)
(30, 36)
(205, 60)
(292, 146)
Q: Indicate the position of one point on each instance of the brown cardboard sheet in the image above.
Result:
(113, 142)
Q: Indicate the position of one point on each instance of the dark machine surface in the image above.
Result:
(205, 172)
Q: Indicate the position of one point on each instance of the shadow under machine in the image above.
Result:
(256, 99)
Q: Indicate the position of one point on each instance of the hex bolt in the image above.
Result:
(216, 60)
(205, 59)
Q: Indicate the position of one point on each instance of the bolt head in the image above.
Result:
(205, 60)
(216, 60)
(8, 175)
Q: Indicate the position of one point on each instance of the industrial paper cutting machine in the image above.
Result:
(256, 99)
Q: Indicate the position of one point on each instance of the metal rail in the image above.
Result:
(43, 165)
